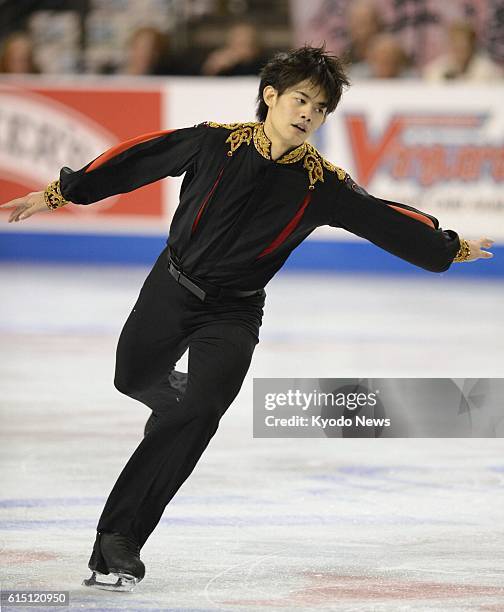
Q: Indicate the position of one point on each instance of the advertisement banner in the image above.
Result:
(439, 149)
(45, 127)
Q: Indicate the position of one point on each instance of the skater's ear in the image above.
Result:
(270, 96)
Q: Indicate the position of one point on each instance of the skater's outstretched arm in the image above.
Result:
(123, 168)
(402, 230)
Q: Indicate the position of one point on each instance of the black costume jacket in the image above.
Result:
(242, 213)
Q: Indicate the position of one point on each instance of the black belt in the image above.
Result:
(201, 290)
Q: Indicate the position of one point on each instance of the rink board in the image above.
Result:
(312, 255)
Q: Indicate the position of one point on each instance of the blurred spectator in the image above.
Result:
(386, 59)
(241, 55)
(16, 55)
(147, 49)
(363, 24)
(149, 53)
(420, 25)
(462, 59)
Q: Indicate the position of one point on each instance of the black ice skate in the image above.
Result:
(115, 563)
(178, 382)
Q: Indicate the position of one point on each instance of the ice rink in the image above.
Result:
(262, 524)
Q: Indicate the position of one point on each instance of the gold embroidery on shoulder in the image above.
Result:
(239, 136)
(242, 132)
(229, 126)
(339, 171)
(313, 164)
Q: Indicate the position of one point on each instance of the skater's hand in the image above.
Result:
(477, 247)
(26, 206)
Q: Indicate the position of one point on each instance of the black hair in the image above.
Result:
(284, 70)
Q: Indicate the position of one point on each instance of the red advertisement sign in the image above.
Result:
(45, 128)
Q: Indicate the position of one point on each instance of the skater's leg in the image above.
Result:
(164, 398)
(219, 357)
(152, 340)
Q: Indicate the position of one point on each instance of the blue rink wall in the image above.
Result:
(312, 255)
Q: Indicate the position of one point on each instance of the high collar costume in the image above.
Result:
(241, 213)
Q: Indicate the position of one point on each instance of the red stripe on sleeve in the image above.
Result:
(288, 229)
(413, 214)
(124, 146)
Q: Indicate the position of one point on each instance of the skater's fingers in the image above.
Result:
(28, 212)
(24, 201)
(476, 249)
(16, 202)
(486, 242)
(14, 216)
(27, 206)
(19, 205)
(22, 212)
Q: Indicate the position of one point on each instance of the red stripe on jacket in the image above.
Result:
(124, 146)
(288, 229)
(413, 214)
(205, 201)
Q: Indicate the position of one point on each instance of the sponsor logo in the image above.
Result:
(428, 149)
(38, 136)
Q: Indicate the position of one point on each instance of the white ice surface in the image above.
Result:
(262, 524)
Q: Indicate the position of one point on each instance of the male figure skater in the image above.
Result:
(252, 192)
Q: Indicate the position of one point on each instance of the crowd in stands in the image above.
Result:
(370, 46)
(375, 52)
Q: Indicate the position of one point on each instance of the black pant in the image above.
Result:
(221, 335)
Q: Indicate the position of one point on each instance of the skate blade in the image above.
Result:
(124, 583)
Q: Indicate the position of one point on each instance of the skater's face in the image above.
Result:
(296, 113)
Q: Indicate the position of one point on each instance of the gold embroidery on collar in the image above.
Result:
(261, 141)
(294, 155)
(263, 145)
(313, 162)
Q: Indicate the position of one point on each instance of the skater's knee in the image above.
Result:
(125, 385)
(120, 385)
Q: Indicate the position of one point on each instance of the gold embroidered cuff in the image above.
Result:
(464, 252)
(53, 197)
